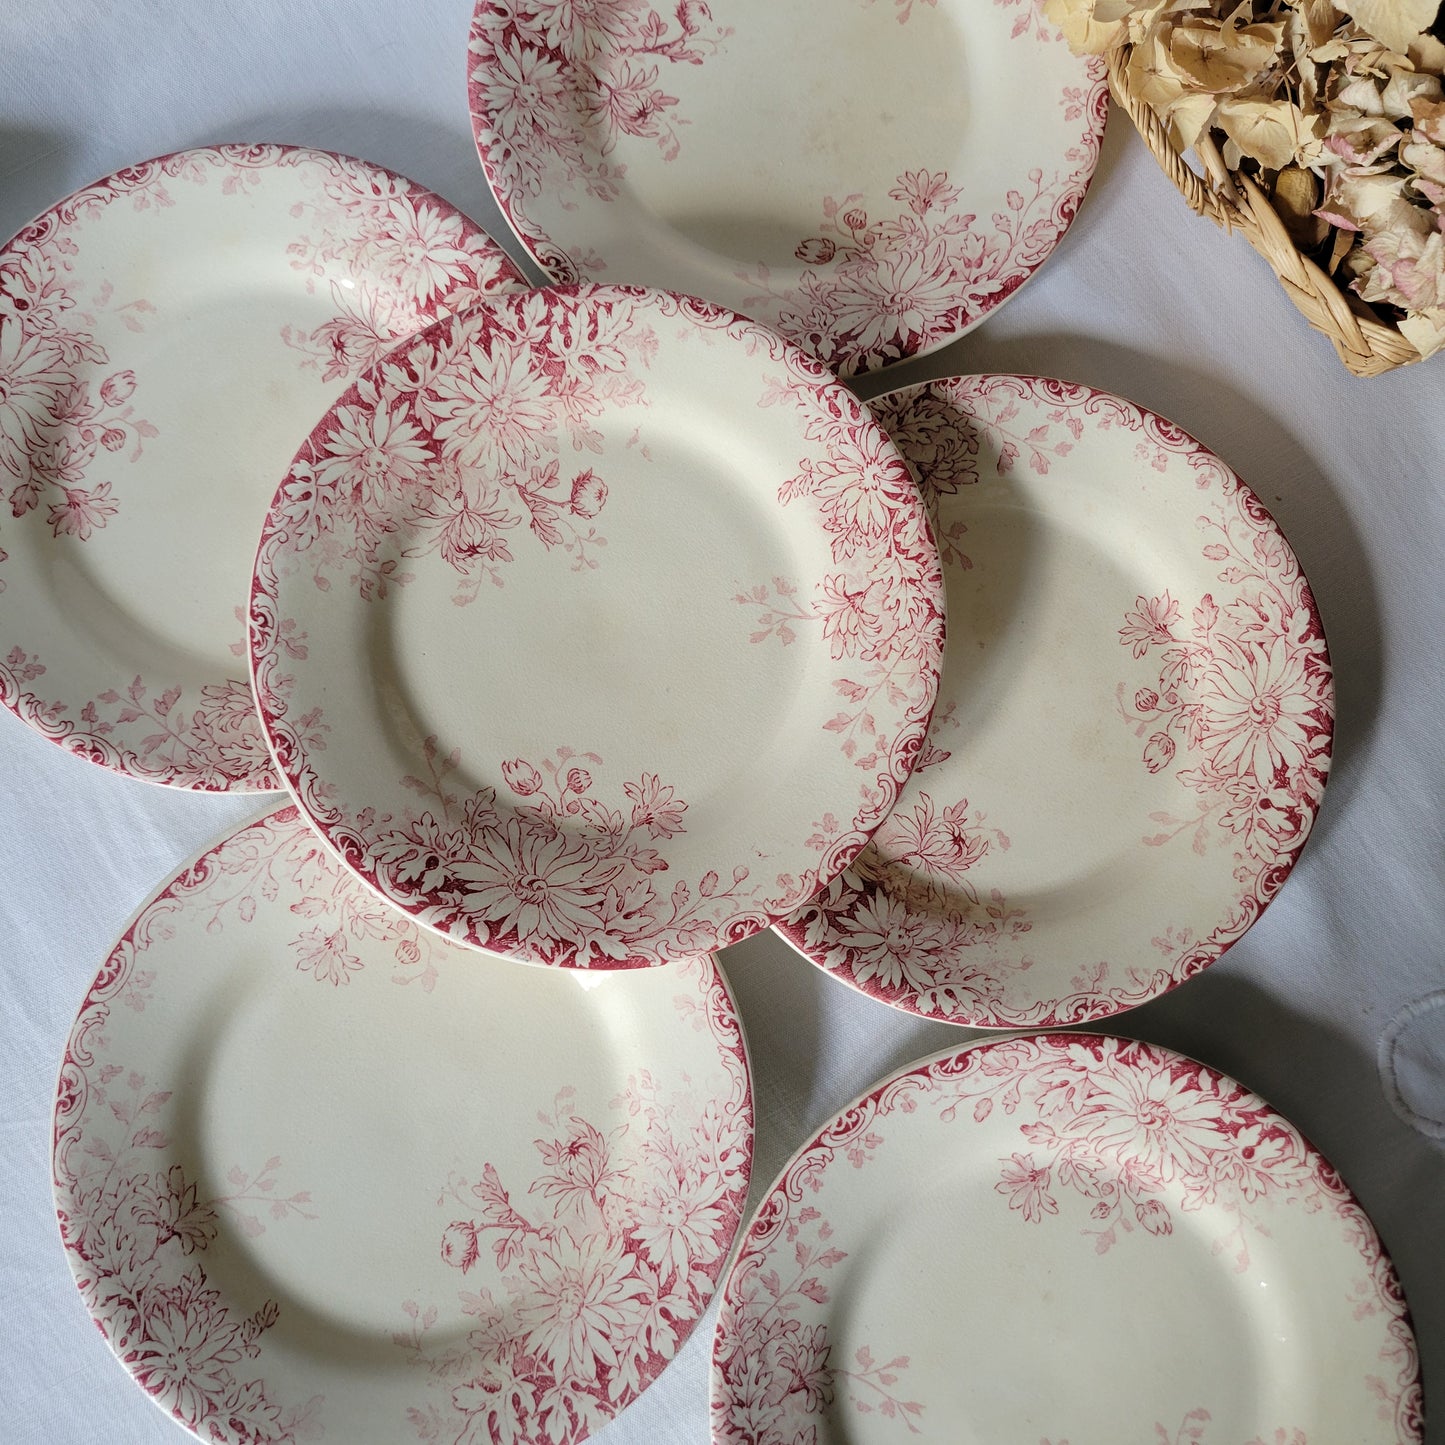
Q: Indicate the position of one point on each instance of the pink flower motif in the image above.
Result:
(372, 453)
(580, 1164)
(584, 29)
(1146, 700)
(582, 1295)
(655, 806)
(465, 529)
(939, 439)
(30, 375)
(895, 296)
(922, 191)
(1152, 1214)
(459, 1245)
(116, 390)
(521, 777)
(1158, 752)
(815, 251)
(677, 1223)
(325, 955)
(540, 886)
(886, 940)
(112, 438)
(1258, 709)
(495, 414)
(419, 249)
(189, 1346)
(946, 844)
(1150, 624)
(525, 94)
(628, 101)
(804, 1356)
(82, 513)
(853, 613)
(1027, 1187)
(589, 494)
(1139, 1111)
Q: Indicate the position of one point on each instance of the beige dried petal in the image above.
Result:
(1360, 140)
(1223, 59)
(1404, 88)
(1433, 192)
(1355, 201)
(1397, 23)
(1315, 20)
(1407, 273)
(1272, 132)
(1427, 55)
(1425, 159)
(1151, 76)
(1364, 96)
(1429, 119)
(1425, 331)
(1366, 56)
(1189, 116)
(1092, 26)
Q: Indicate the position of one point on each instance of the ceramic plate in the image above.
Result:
(1133, 729)
(323, 1175)
(1063, 1238)
(869, 177)
(167, 336)
(624, 626)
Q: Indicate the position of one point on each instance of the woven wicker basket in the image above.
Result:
(1367, 345)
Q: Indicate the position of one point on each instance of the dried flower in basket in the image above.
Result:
(1333, 107)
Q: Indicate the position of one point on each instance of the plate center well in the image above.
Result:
(1019, 1331)
(842, 99)
(640, 655)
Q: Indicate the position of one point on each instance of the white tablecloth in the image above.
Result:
(1141, 299)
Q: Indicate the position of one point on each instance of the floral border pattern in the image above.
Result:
(553, 87)
(1247, 694)
(645, 1206)
(410, 256)
(607, 1259)
(561, 876)
(1126, 1131)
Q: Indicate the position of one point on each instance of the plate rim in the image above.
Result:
(548, 256)
(1205, 953)
(905, 745)
(776, 1201)
(738, 1045)
(71, 734)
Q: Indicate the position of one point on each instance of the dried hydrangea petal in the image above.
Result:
(1425, 331)
(1398, 23)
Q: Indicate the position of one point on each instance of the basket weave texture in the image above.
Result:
(1366, 345)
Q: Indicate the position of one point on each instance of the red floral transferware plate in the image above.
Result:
(322, 1175)
(1062, 1238)
(611, 595)
(166, 337)
(1133, 729)
(869, 177)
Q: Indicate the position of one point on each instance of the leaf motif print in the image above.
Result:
(606, 1257)
(73, 413)
(1106, 1137)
